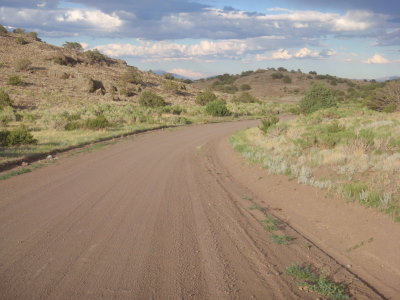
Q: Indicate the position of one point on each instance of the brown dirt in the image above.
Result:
(164, 216)
(46, 82)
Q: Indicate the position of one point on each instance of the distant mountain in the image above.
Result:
(387, 78)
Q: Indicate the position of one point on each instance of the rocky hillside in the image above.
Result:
(50, 72)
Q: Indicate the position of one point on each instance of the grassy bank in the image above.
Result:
(350, 150)
(57, 125)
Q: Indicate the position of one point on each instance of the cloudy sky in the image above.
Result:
(198, 38)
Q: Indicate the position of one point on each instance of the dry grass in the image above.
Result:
(365, 153)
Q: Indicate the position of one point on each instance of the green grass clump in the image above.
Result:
(217, 109)
(14, 80)
(318, 283)
(5, 99)
(268, 122)
(18, 136)
(99, 122)
(282, 239)
(271, 224)
(245, 97)
(205, 97)
(150, 99)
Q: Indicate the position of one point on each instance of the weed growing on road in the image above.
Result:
(318, 283)
(282, 239)
(271, 224)
(256, 206)
(362, 243)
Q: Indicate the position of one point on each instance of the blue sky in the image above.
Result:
(199, 38)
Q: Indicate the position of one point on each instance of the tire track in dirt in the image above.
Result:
(154, 217)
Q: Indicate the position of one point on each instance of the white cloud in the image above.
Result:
(281, 54)
(303, 53)
(376, 59)
(355, 21)
(307, 53)
(94, 17)
(205, 49)
(187, 73)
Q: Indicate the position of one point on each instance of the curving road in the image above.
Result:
(157, 216)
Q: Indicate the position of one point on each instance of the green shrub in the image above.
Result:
(73, 46)
(317, 97)
(23, 64)
(267, 122)
(245, 87)
(21, 40)
(100, 122)
(392, 107)
(174, 86)
(205, 97)
(217, 108)
(287, 79)
(277, 75)
(132, 75)
(150, 99)
(245, 97)
(18, 136)
(73, 125)
(3, 30)
(14, 80)
(34, 35)
(5, 99)
(94, 56)
(19, 31)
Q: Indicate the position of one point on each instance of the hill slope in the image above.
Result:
(274, 84)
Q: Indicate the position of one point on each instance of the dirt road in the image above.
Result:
(157, 216)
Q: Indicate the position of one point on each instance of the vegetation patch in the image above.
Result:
(282, 239)
(348, 150)
(14, 80)
(317, 97)
(15, 137)
(150, 99)
(217, 108)
(205, 97)
(271, 224)
(317, 282)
